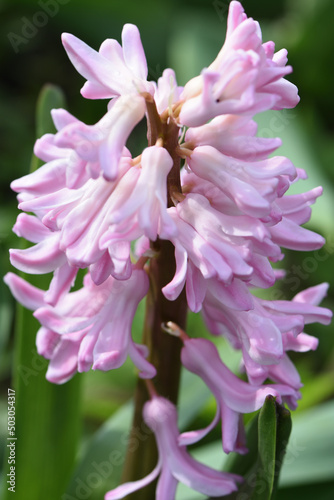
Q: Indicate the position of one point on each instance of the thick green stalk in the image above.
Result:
(164, 349)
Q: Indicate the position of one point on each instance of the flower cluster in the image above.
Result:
(227, 212)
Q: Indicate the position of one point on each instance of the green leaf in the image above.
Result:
(266, 451)
(267, 443)
(284, 426)
(47, 416)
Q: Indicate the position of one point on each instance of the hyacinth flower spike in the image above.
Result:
(195, 221)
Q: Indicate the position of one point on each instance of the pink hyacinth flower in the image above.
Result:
(234, 396)
(175, 465)
(295, 210)
(259, 331)
(77, 219)
(252, 186)
(234, 136)
(104, 142)
(246, 76)
(114, 70)
(43, 257)
(88, 327)
(306, 304)
(167, 92)
(78, 152)
(267, 331)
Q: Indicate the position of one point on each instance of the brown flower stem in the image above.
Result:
(164, 349)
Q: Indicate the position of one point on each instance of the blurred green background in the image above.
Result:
(185, 36)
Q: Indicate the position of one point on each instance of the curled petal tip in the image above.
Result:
(66, 38)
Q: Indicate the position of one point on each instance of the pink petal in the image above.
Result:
(301, 343)
(313, 295)
(30, 228)
(127, 488)
(285, 373)
(63, 279)
(46, 150)
(63, 364)
(38, 259)
(89, 63)
(234, 296)
(232, 432)
(290, 235)
(173, 289)
(49, 318)
(191, 437)
(146, 369)
(167, 484)
(101, 269)
(46, 342)
(124, 116)
(205, 163)
(62, 118)
(48, 178)
(28, 295)
(310, 313)
(109, 360)
(265, 340)
(195, 288)
(133, 52)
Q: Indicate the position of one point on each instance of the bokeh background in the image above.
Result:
(185, 35)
